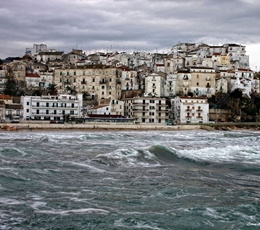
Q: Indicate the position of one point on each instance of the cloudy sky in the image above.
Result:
(128, 25)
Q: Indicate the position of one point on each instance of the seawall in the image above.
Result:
(32, 125)
(95, 126)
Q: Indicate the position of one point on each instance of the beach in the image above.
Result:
(46, 125)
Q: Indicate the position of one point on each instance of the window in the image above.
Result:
(93, 80)
(68, 73)
(27, 110)
(60, 73)
(197, 83)
(198, 76)
(60, 80)
(28, 103)
(102, 87)
(74, 73)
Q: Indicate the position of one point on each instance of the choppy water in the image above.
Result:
(130, 180)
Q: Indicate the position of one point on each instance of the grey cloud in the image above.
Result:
(141, 25)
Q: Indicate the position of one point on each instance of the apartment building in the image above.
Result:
(146, 109)
(99, 81)
(51, 107)
(191, 110)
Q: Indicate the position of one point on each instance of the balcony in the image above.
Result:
(199, 117)
(199, 110)
(188, 117)
(103, 82)
(188, 110)
(118, 81)
(66, 83)
(208, 86)
(83, 82)
(140, 103)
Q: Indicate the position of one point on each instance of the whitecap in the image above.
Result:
(74, 211)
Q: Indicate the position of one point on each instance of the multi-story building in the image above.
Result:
(202, 81)
(146, 109)
(170, 85)
(154, 84)
(114, 108)
(51, 107)
(2, 80)
(99, 81)
(191, 110)
(128, 78)
(183, 82)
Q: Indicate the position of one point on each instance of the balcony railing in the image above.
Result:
(199, 110)
(83, 82)
(188, 110)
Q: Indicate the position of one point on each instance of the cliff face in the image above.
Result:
(242, 108)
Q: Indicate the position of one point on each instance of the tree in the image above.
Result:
(10, 85)
(52, 89)
(37, 92)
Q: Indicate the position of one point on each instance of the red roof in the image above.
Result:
(5, 97)
(32, 75)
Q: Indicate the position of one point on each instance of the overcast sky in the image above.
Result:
(128, 25)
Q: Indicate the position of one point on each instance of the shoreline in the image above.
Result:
(29, 126)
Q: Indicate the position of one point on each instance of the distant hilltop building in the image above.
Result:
(36, 49)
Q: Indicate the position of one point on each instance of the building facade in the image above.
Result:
(51, 107)
(191, 110)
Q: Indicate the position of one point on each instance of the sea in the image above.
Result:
(130, 180)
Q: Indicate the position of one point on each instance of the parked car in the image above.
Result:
(52, 122)
(60, 122)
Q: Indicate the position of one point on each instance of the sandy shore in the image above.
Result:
(94, 126)
(97, 126)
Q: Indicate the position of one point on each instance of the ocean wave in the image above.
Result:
(226, 154)
(74, 211)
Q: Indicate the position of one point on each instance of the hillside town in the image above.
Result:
(193, 83)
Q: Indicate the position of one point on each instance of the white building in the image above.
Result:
(191, 110)
(170, 85)
(115, 108)
(154, 85)
(146, 109)
(51, 107)
(244, 81)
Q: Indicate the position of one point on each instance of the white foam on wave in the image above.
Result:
(129, 157)
(8, 201)
(90, 167)
(242, 154)
(36, 205)
(74, 211)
